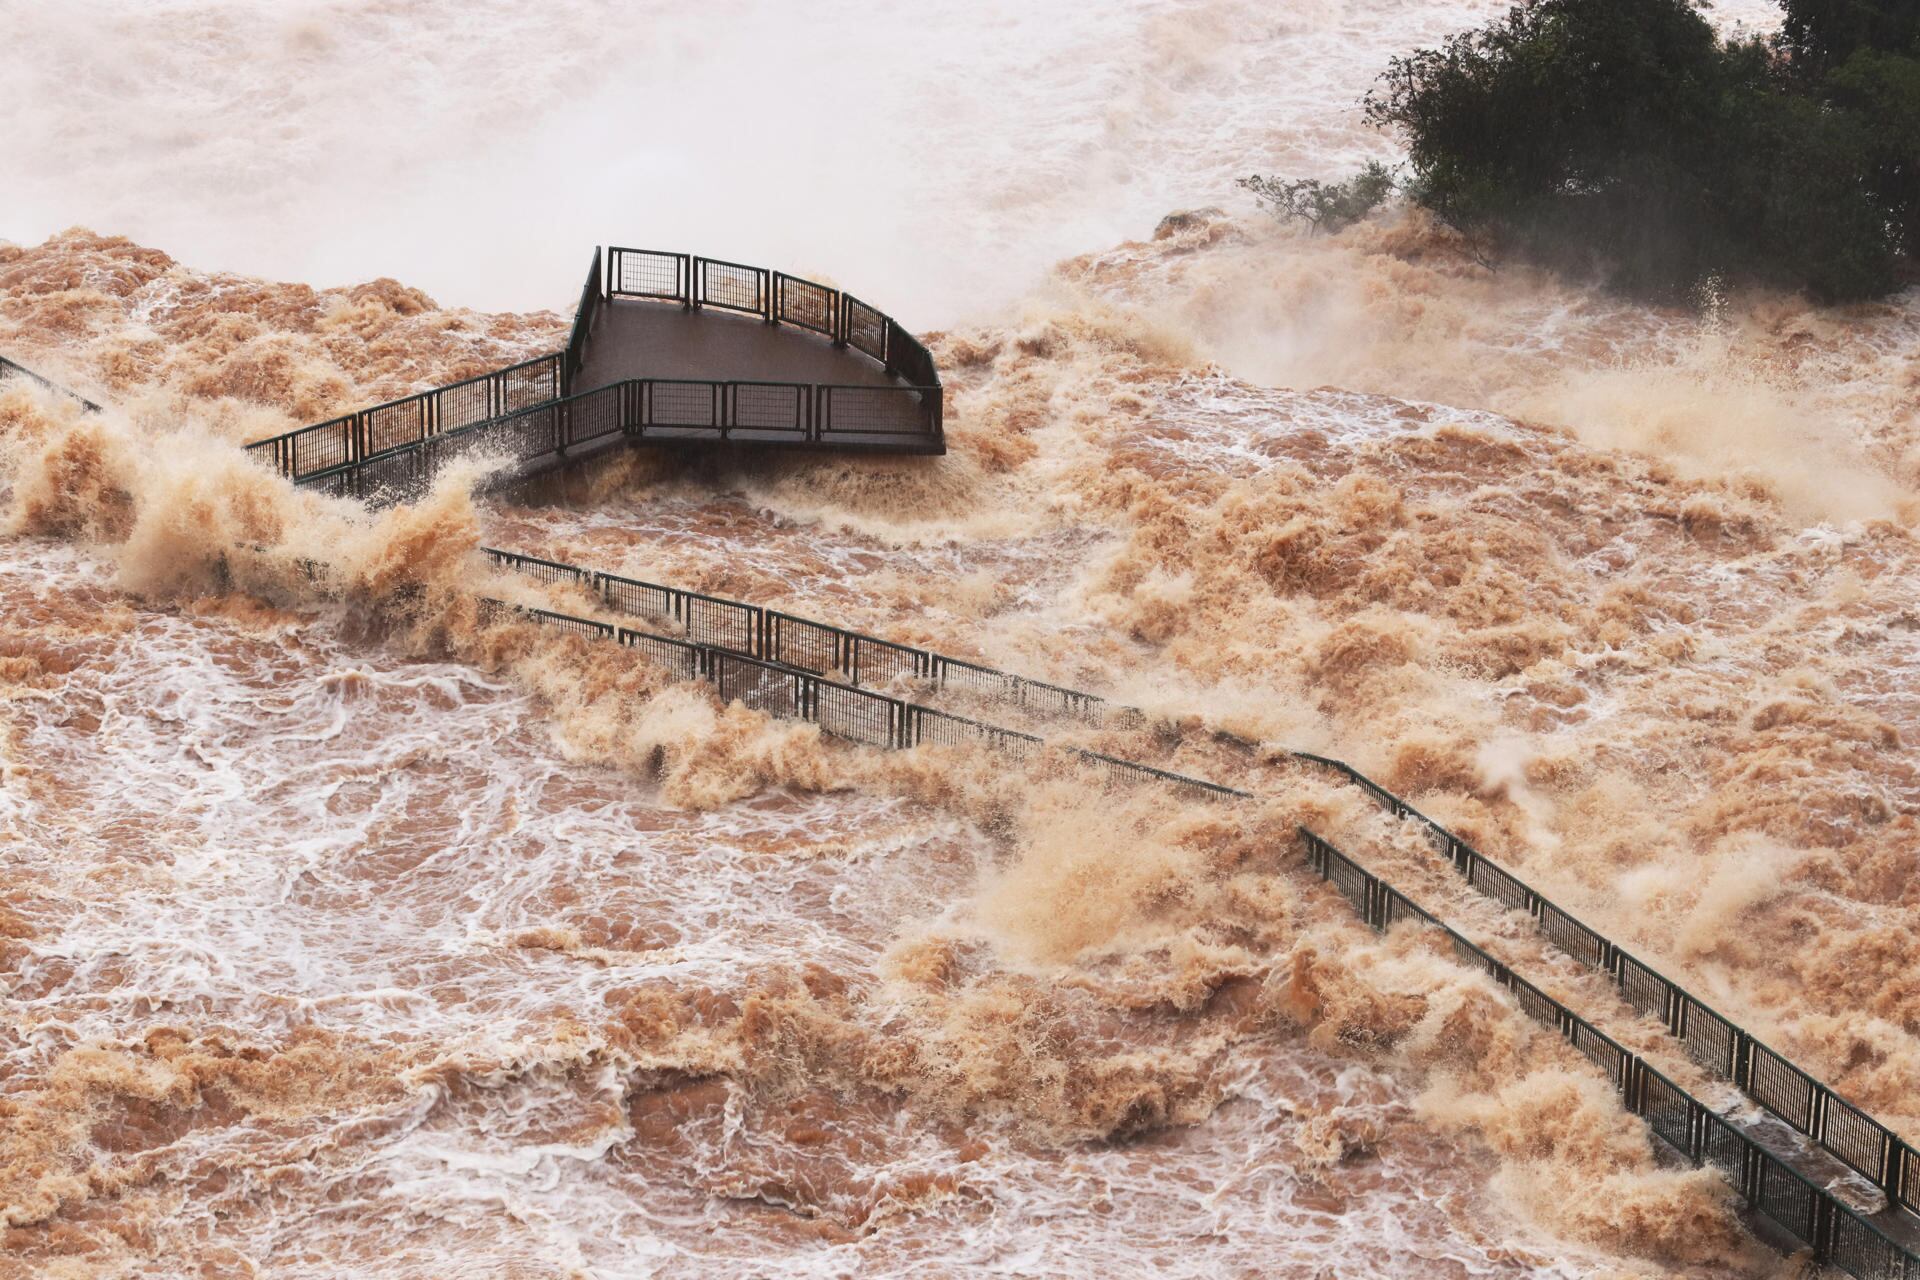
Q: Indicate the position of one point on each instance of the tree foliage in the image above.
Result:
(1324, 206)
(1624, 138)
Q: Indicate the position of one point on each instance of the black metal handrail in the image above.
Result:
(775, 297)
(1770, 1185)
(9, 369)
(818, 647)
(1839, 1126)
(331, 453)
(644, 410)
(309, 452)
(591, 300)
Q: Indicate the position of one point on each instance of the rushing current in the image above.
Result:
(343, 935)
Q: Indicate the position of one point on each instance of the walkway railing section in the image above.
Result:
(1712, 1040)
(719, 643)
(591, 300)
(645, 410)
(817, 647)
(726, 641)
(1772, 1187)
(360, 437)
(8, 369)
(355, 454)
(773, 296)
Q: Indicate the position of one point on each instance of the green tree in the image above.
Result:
(1819, 36)
(1623, 138)
(1324, 206)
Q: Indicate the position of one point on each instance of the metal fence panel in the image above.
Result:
(907, 358)
(464, 403)
(1668, 1109)
(1353, 883)
(863, 327)
(1644, 989)
(872, 661)
(1710, 1039)
(678, 658)
(390, 426)
(1472, 956)
(1781, 1087)
(1785, 1196)
(8, 369)
(1534, 1002)
(761, 687)
(583, 318)
(595, 414)
(398, 475)
(952, 673)
(871, 411)
(548, 571)
(1858, 1248)
(1396, 907)
(648, 273)
(642, 599)
(1572, 937)
(1052, 700)
(804, 644)
(858, 715)
(1498, 885)
(1909, 1161)
(526, 385)
(321, 447)
(1725, 1148)
(805, 304)
(676, 402)
(942, 729)
(770, 406)
(1855, 1137)
(571, 625)
(524, 436)
(723, 624)
(732, 286)
(1600, 1049)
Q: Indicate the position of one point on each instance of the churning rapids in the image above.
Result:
(345, 936)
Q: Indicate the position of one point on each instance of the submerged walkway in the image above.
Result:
(1815, 1170)
(9, 369)
(667, 349)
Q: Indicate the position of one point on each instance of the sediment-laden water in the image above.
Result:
(340, 934)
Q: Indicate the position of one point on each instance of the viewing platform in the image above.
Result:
(667, 349)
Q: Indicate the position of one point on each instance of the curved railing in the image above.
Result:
(360, 453)
(8, 369)
(720, 633)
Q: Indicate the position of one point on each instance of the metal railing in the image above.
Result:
(1770, 1186)
(775, 662)
(1719, 1046)
(591, 300)
(645, 410)
(360, 437)
(820, 648)
(8, 369)
(720, 633)
(774, 296)
(1715, 1042)
(354, 454)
